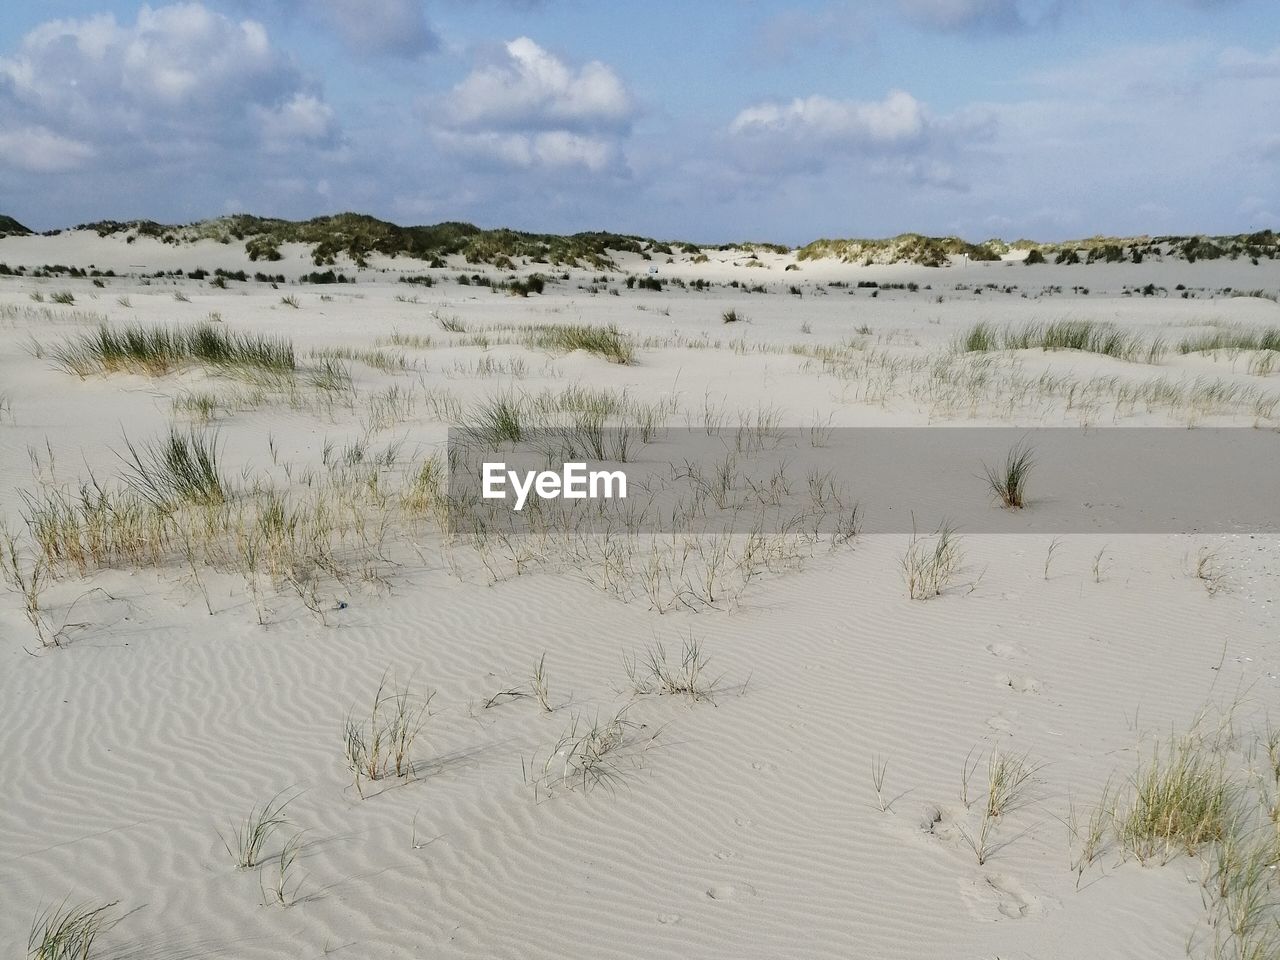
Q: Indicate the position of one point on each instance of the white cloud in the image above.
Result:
(39, 150)
(531, 110)
(553, 149)
(302, 119)
(896, 139)
(179, 77)
(899, 119)
(562, 149)
(531, 88)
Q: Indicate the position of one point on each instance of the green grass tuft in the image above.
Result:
(1088, 336)
(159, 350)
(1264, 339)
(607, 342)
(1009, 481)
(182, 468)
(67, 932)
(1181, 798)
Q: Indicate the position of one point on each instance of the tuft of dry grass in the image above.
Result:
(585, 756)
(654, 673)
(541, 691)
(1008, 776)
(29, 578)
(1208, 570)
(381, 745)
(932, 563)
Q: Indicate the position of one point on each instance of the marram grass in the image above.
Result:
(155, 351)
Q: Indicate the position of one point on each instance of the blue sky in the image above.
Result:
(714, 120)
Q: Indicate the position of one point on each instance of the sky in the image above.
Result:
(704, 120)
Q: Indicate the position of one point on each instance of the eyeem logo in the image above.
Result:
(574, 482)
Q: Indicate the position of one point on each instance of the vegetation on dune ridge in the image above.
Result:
(1263, 244)
(904, 248)
(10, 227)
(359, 235)
(935, 251)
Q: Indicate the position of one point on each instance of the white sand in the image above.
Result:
(751, 827)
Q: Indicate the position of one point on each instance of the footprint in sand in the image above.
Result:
(1012, 901)
(725, 854)
(1006, 650)
(762, 765)
(1020, 683)
(744, 821)
(1003, 721)
(997, 896)
(730, 891)
(942, 823)
(669, 918)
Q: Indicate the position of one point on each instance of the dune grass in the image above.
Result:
(1008, 482)
(539, 689)
(1008, 776)
(378, 359)
(1180, 799)
(607, 342)
(172, 505)
(501, 419)
(539, 686)
(249, 837)
(1243, 894)
(585, 756)
(931, 563)
(68, 932)
(381, 745)
(29, 579)
(1208, 570)
(417, 341)
(654, 673)
(1187, 797)
(879, 768)
(1089, 336)
(181, 468)
(1235, 339)
(155, 351)
(284, 889)
(571, 423)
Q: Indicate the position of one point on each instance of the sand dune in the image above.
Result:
(744, 822)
